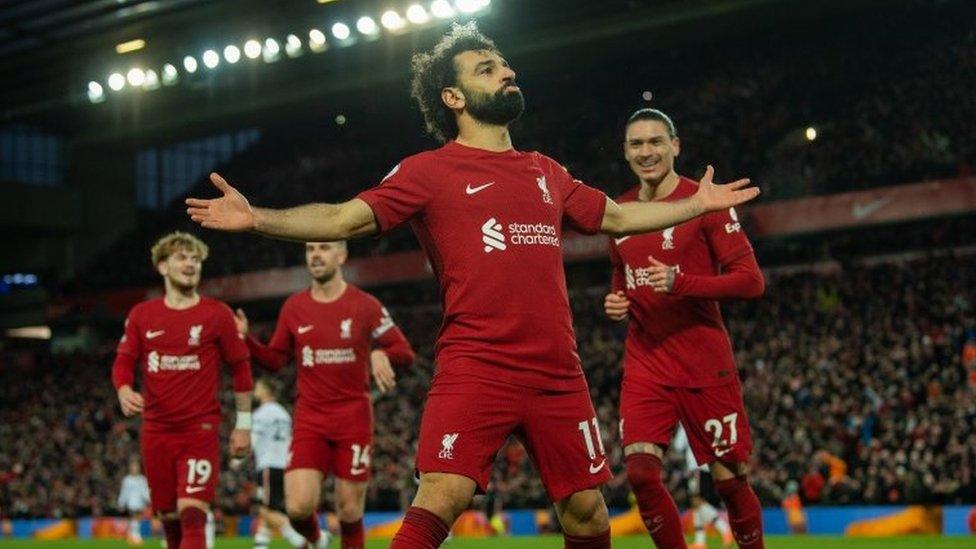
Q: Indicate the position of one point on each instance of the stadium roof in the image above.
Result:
(50, 50)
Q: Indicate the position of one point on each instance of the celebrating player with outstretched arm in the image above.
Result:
(178, 342)
(678, 363)
(336, 333)
(490, 219)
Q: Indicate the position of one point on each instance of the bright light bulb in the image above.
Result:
(252, 49)
(190, 64)
(468, 6)
(811, 133)
(340, 31)
(392, 20)
(96, 93)
(367, 26)
(441, 9)
(293, 46)
(232, 54)
(152, 80)
(116, 81)
(136, 77)
(316, 40)
(271, 50)
(417, 15)
(211, 59)
(170, 75)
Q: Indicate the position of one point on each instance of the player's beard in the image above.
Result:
(184, 287)
(499, 109)
(326, 276)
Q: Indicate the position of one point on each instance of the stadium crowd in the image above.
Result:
(742, 108)
(860, 382)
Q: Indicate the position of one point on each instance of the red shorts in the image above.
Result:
(466, 421)
(180, 464)
(713, 417)
(346, 457)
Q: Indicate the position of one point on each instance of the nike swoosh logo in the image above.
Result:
(471, 190)
(620, 240)
(305, 329)
(356, 471)
(595, 470)
(860, 211)
(720, 453)
(195, 489)
(151, 334)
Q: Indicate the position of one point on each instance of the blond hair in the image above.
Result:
(178, 240)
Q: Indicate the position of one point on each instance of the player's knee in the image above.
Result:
(299, 507)
(349, 510)
(584, 513)
(445, 495)
(164, 516)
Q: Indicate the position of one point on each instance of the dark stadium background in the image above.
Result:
(863, 348)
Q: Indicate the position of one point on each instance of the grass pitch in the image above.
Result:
(555, 542)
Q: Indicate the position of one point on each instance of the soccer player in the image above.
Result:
(178, 342)
(271, 437)
(337, 333)
(490, 219)
(133, 499)
(678, 363)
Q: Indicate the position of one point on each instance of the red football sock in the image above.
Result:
(745, 515)
(599, 541)
(308, 527)
(421, 529)
(193, 525)
(657, 508)
(171, 528)
(352, 534)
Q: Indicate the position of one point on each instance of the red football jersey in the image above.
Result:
(673, 339)
(331, 343)
(179, 353)
(491, 224)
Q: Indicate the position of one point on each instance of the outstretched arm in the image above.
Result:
(310, 222)
(641, 217)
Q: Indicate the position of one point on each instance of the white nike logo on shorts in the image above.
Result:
(471, 190)
(195, 489)
(596, 469)
(357, 471)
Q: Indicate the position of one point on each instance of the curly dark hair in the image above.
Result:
(434, 70)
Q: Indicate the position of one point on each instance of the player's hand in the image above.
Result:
(240, 442)
(383, 372)
(713, 197)
(662, 276)
(230, 212)
(240, 320)
(130, 401)
(616, 305)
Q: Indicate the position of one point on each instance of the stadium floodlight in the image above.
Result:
(293, 46)
(96, 93)
(152, 80)
(130, 46)
(367, 26)
(469, 6)
(441, 9)
(340, 31)
(272, 50)
(190, 64)
(417, 15)
(170, 75)
(136, 77)
(232, 54)
(211, 59)
(252, 49)
(811, 133)
(316, 40)
(392, 20)
(116, 81)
